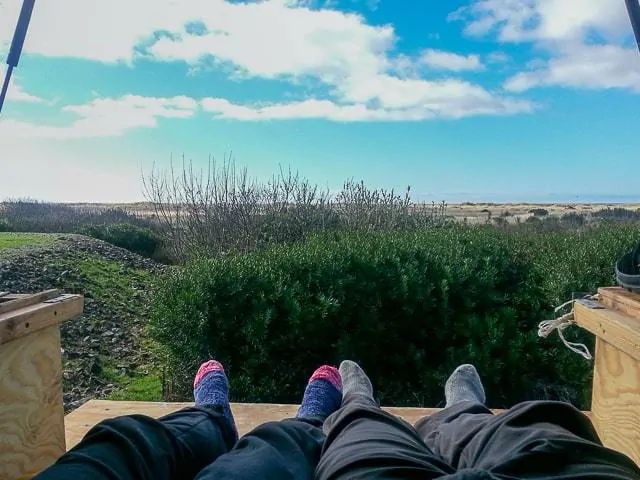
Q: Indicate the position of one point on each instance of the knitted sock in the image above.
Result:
(464, 385)
(354, 380)
(323, 394)
(211, 387)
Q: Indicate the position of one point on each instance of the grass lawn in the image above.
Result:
(136, 387)
(12, 240)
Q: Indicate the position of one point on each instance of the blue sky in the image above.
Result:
(497, 100)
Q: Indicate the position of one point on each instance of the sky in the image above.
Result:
(464, 100)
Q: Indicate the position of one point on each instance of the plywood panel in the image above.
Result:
(247, 415)
(28, 319)
(616, 399)
(31, 411)
(17, 301)
(617, 329)
(622, 300)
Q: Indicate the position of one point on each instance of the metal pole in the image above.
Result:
(16, 45)
(5, 86)
(633, 7)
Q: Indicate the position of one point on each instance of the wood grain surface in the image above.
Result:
(622, 300)
(617, 329)
(15, 301)
(616, 399)
(28, 319)
(31, 410)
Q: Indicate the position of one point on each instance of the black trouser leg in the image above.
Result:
(177, 446)
(363, 441)
(532, 440)
(289, 449)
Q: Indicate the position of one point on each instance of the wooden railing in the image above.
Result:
(615, 403)
(31, 409)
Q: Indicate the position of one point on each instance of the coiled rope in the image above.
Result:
(564, 321)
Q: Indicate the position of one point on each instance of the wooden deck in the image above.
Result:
(247, 415)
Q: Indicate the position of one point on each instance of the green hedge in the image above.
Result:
(408, 306)
(5, 226)
(140, 240)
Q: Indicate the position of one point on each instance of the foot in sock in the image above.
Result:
(354, 380)
(211, 387)
(323, 394)
(464, 385)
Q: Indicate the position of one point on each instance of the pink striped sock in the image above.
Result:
(210, 366)
(330, 374)
(323, 394)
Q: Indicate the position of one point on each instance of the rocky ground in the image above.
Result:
(107, 346)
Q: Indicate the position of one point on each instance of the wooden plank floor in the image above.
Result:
(247, 415)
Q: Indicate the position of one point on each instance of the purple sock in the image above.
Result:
(323, 394)
(211, 387)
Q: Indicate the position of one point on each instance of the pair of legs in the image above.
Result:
(464, 441)
(202, 443)
(534, 440)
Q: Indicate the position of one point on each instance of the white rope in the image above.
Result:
(560, 324)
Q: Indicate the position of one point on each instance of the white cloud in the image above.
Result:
(307, 109)
(565, 31)
(546, 20)
(105, 117)
(270, 40)
(95, 30)
(386, 99)
(283, 39)
(400, 105)
(266, 38)
(582, 66)
(16, 93)
(439, 59)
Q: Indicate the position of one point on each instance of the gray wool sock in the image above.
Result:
(464, 385)
(354, 380)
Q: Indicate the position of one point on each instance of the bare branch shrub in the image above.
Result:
(221, 210)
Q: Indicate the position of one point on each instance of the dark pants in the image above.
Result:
(534, 440)
(195, 442)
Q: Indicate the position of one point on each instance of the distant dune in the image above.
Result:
(473, 212)
(479, 211)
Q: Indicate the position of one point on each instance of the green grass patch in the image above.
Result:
(137, 387)
(147, 388)
(13, 240)
(106, 279)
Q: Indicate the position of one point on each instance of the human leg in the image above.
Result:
(363, 441)
(178, 445)
(532, 440)
(464, 408)
(289, 449)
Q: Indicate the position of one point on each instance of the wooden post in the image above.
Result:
(615, 403)
(32, 433)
